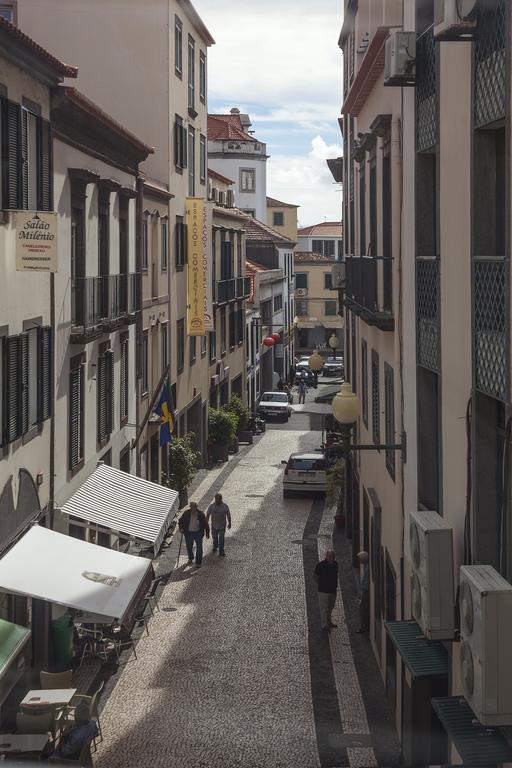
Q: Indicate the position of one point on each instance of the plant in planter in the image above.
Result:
(335, 496)
(243, 413)
(183, 464)
(222, 426)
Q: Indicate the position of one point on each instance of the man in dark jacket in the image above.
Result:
(326, 576)
(193, 526)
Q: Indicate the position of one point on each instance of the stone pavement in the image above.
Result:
(234, 671)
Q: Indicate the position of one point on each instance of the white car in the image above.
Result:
(305, 473)
(333, 366)
(274, 405)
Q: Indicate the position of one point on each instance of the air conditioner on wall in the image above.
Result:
(432, 592)
(486, 630)
(400, 59)
(455, 19)
(300, 292)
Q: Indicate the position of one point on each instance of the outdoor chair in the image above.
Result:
(151, 595)
(140, 616)
(92, 702)
(85, 757)
(52, 680)
(32, 722)
(116, 640)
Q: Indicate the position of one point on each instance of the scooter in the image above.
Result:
(256, 425)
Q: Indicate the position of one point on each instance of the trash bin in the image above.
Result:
(62, 640)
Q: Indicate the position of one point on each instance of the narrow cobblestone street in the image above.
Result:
(235, 671)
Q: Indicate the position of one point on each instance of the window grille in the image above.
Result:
(427, 313)
(490, 324)
(426, 91)
(490, 66)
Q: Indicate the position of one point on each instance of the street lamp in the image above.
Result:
(333, 343)
(316, 363)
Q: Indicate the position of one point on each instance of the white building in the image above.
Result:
(325, 238)
(234, 152)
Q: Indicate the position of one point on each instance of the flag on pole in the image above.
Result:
(163, 409)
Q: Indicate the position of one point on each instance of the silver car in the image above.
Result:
(305, 473)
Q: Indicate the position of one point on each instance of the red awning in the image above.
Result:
(367, 74)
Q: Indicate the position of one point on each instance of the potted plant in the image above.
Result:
(222, 426)
(335, 491)
(243, 413)
(183, 464)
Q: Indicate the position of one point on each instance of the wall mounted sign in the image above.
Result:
(36, 241)
(196, 295)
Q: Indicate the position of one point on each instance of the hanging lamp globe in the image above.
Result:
(268, 342)
(346, 406)
(316, 361)
(275, 336)
(333, 341)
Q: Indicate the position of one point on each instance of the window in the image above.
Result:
(202, 159)
(180, 242)
(328, 281)
(277, 218)
(124, 379)
(239, 263)
(247, 180)
(362, 210)
(76, 412)
(178, 46)
(32, 376)
(375, 398)
(191, 162)
(164, 231)
(232, 328)
(193, 347)
(145, 363)
(203, 345)
(240, 318)
(331, 308)
(223, 330)
(278, 302)
(301, 280)
(105, 395)
(389, 414)
(202, 76)
(180, 357)
(266, 312)
(301, 308)
(164, 340)
(145, 245)
(180, 143)
(27, 156)
(325, 247)
(226, 260)
(249, 211)
(364, 382)
(212, 345)
(8, 12)
(191, 72)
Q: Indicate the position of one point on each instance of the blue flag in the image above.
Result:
(164, 409)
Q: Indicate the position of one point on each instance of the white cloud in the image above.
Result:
(307, 181)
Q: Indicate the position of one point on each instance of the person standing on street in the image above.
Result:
(364, 605)
(193, 525)
(326, 576)
(220, 515)
(302, 391)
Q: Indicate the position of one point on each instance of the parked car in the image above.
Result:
(274, 405)
(333, 366)
(305, 473)
(304, 372)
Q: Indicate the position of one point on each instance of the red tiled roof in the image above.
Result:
(306, 256)
(16, 35)
(257, 230)
(325, 228)
(227, 127)
(215, 175)
(273, 203)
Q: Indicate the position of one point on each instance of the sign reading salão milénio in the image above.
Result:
(36, 242)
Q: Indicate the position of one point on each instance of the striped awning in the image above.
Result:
(126, 504)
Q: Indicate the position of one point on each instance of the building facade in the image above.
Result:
(325, 238)
(234, 152)
(316, 304)
(282, 217)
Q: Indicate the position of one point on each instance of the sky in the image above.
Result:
(279, 61)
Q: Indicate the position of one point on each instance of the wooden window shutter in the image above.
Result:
(184, 146)
(24, 379)
(124, 378)
(24, 159)
(101, 377)
(45, 387)
(13, 388)
(109, 394)
(75, 417)
(13, 155)
(46, 167)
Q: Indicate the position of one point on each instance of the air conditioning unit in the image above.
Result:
(301, 292)
(230, 198)
(455, 19)
(216, 194)
(432, 591)
(400, 59)
(486, 630)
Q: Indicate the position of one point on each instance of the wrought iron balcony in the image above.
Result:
(104, 300)
(225, 291)
(367, 290)
(243, 287)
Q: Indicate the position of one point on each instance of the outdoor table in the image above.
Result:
(22, 742)
(56, 696)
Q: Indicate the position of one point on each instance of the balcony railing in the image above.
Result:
(367, 285)
(243, 287)
(104, 299)
(226, 291)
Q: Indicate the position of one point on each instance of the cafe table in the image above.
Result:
(11, 743)
(59, 697)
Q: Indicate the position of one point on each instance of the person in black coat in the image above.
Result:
(194, 527)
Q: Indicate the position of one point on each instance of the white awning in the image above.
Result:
(60, 569)
(125, 503)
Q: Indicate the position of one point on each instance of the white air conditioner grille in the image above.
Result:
(468, 669)
(415, 545)
(466, 607)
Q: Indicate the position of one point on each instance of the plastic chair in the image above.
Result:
(52, 680)
(42, 722)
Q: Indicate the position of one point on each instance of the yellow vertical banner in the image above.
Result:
(195, 268)
(208, 266)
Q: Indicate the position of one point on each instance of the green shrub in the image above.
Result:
(336, 485)
(222, 426)
(242, 412)
(183, 462)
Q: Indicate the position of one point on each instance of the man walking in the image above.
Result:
(364, 605)
(302, 391)
(220, 515)
(193, 525)
(326, 576)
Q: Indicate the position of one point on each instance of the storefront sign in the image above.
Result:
(196, 297)
(208, 266)
(36, 242)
